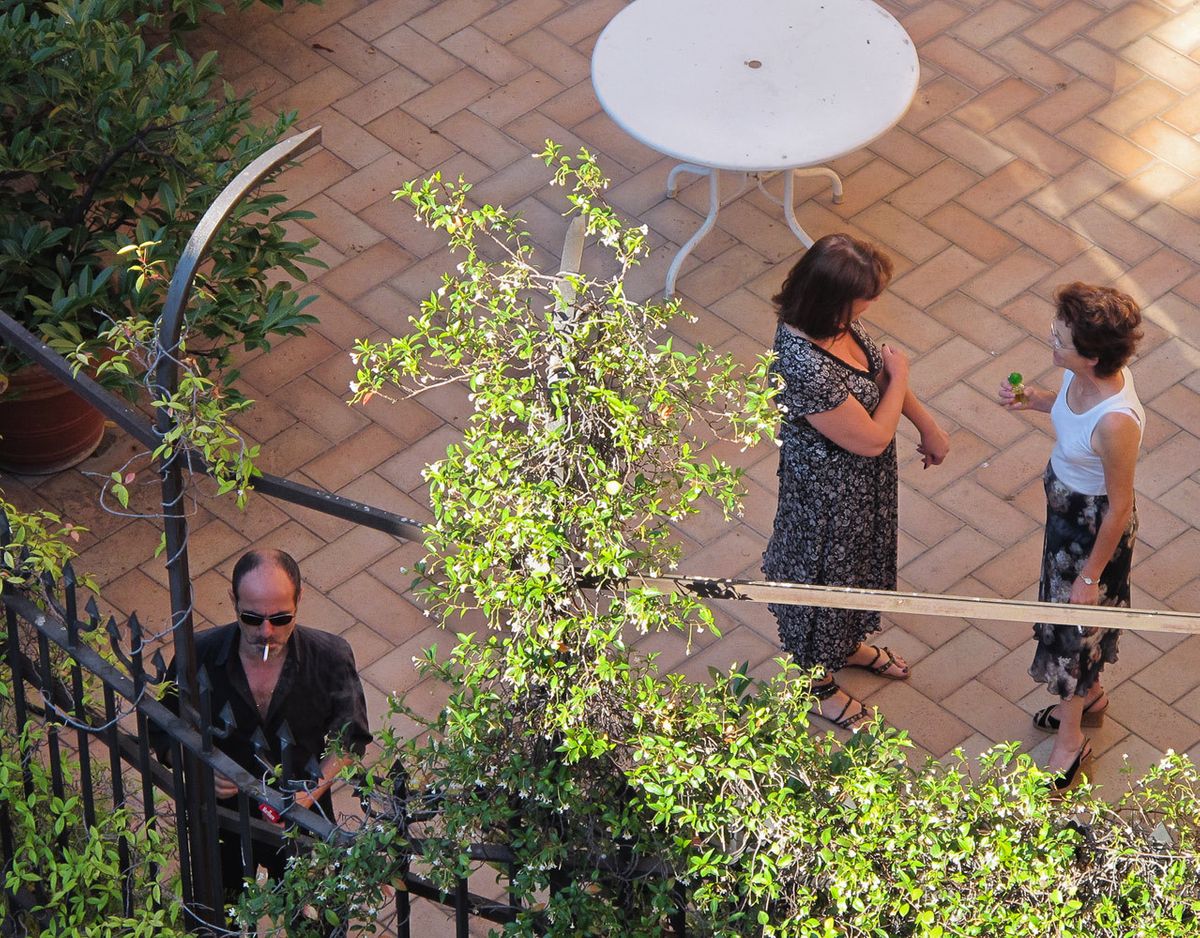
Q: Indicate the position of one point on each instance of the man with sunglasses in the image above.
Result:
(270, 671)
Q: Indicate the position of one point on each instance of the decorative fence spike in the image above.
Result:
(93, 613)
(204, 689)
(262, 749)
(160, 667)
(226, 722)
(287, 753)
(114, 642)
(69, 606)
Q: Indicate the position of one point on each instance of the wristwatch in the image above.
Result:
(1088, 580)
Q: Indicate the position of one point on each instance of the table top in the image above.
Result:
(755, 85)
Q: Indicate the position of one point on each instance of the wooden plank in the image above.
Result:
(926, 604)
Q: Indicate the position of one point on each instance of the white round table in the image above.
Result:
(754, 87)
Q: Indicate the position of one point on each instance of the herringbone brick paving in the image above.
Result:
(1050, 140)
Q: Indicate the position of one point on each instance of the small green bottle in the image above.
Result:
(1018, 386)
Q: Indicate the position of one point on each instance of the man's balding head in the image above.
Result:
(254, 559)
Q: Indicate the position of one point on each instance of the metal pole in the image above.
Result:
(207, 893)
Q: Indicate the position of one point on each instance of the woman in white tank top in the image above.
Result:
(1091, 518)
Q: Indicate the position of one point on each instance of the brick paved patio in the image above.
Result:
(1050, 140)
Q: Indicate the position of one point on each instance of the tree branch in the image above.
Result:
(76, 215)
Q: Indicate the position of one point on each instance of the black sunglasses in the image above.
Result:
(254, 619)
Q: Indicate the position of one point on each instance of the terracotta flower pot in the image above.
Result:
(44, 426)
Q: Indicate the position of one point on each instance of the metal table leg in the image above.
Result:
(714, 205)
(789, 196)
(691, 168)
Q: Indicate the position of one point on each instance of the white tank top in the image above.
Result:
(1075, 463)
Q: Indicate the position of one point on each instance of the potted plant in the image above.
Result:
(111, 148)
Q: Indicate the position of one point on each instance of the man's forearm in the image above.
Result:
(331, 765)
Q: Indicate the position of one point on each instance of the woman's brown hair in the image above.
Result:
(1104, 324)
(819, 293)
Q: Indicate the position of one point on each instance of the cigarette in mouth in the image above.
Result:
(266, 648)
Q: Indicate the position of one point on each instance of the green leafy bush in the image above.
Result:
(108, 141)
(111, 149)
(624, 793)
(70, 875)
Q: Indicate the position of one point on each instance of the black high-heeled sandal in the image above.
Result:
(1064, 780)
(852, 722)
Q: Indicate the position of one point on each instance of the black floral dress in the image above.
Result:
(1069, 658)
(836, 522)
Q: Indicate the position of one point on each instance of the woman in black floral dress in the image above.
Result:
(841, 399)
(1091, 518)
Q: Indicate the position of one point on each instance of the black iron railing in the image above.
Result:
(130, 749)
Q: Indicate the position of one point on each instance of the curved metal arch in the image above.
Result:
(170, 322)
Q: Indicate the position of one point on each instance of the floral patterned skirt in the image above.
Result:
(1069, 658)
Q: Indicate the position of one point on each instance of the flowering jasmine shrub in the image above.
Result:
(634, 801)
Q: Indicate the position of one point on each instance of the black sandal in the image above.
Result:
(1061, 781)
(1045, 719)
(852, 722)
(889, 661)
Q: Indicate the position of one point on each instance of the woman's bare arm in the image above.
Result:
(853, 428)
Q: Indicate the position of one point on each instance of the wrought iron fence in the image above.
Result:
(93, 684)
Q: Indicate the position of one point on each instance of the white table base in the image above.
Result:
(714, 203)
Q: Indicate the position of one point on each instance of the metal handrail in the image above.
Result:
(135, 423)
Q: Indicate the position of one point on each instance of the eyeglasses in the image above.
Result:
(278, 620)
(1055, 341)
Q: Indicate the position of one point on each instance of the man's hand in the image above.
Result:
(224, 787)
